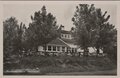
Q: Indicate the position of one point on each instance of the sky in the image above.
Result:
(62, 11)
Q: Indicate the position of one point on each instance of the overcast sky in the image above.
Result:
(62, 11)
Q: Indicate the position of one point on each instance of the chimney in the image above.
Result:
(72, 29)
(61, 27)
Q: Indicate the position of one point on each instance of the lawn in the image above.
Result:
(43, 65)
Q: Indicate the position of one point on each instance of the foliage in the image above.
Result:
(21, 37)
(92, 28)
(84, 24)
(12, 39)
(105, 32)
(42, 30)
(74, 64)
(10, 28)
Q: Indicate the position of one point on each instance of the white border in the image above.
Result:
(53, 2)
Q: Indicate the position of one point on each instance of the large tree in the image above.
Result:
(105, 32)
(92, 27)
(84, 24)
(12, 37)
(42, 29)
(10, 27)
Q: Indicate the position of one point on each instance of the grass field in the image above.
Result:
(43, 65)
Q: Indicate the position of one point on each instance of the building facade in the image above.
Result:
(65, 43)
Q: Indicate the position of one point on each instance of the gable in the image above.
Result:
(57, 41)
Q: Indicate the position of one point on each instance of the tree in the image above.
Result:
(92, 28)
(83, 21)
(10, 27)
(108, 39)
(104, 32)
(21, 37)
(12, 37)
(42, 29)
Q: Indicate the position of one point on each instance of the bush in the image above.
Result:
(49, 64)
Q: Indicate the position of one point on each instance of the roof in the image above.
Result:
(65, 32)
(69, 41)
(57, 41)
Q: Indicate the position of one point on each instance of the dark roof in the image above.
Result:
(69, 41)
(65, 32)
(57, 41)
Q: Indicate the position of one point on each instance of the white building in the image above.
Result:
(63, 44)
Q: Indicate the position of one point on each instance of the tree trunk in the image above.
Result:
(86, 51)
(98, 51)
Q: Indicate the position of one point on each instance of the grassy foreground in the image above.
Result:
(43, 65)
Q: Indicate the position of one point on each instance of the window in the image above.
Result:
(75, 50)
(68, 49)
(65, 35)
(54, 48)
(62, 35)
(58, 48)
(72, 49)
(49, 48)
(63, 49)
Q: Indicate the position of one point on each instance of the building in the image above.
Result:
(65, 43)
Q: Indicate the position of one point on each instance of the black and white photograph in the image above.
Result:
(64, 38)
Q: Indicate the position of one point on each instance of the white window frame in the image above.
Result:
(48, 48)
(55, 48)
